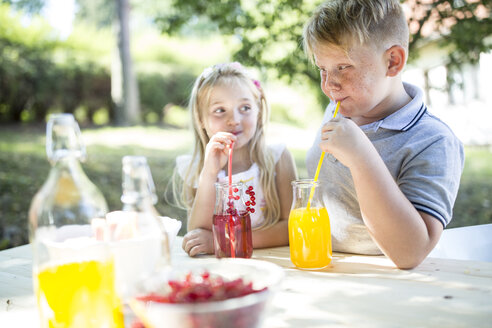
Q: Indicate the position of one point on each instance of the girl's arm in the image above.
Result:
(201, 213)
(199, 239)
(216, 154)
(277, 234)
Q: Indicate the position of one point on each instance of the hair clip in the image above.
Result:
(236, 65)
(257, 83)
(207, 72)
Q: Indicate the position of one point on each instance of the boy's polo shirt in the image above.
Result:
(422, 154)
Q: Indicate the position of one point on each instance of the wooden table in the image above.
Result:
(356, 291)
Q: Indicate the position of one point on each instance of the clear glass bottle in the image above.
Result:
(231, 222)
(309, 227)
(139, 240)
(67, 258)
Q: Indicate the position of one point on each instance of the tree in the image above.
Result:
(124, 87)
(128, 99)
(462, 25)
(104, 13)
(270, 31)
(29, 6)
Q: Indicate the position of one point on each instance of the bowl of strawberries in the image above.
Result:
(204, 293)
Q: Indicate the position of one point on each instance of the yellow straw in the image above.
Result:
(311, 194)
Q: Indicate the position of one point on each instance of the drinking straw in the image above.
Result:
(232, 237)
(311, 194)
(229, 168)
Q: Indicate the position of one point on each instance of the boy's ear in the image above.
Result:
(395, 57)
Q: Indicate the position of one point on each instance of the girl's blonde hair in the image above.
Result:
(228, 74)
(380, 23)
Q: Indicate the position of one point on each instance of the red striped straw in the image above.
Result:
(232, 237)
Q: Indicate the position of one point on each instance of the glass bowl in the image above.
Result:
(243, 311)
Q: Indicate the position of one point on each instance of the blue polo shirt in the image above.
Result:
(422, 154)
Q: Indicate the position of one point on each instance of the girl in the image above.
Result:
(228, 107)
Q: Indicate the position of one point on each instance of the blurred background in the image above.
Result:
(125, 69)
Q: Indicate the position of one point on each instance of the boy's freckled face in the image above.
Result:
(357, 78)
(232, 108)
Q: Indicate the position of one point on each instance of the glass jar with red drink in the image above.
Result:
(232, 222)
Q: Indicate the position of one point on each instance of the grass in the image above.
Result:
(24, 168)
(474, 202)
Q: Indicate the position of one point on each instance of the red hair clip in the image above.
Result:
(257, 83)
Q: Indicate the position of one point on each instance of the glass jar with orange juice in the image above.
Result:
(309, 227)
(73, 272)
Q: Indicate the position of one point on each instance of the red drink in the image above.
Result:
(232, 235)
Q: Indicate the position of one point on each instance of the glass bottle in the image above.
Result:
(231, 222)
(309, 227)
(73, 273)
(139, 240)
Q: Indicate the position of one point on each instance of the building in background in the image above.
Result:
(459, 95)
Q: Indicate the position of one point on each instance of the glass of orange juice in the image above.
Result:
(73, 279)
(309, 227)
(73, 272)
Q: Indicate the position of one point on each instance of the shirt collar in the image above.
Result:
(404, 118)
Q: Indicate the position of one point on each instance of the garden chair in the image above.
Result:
(465, 243)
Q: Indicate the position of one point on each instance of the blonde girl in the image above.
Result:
(229, 107)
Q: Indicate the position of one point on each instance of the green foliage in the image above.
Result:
(269, 31)
(158, 91)
(28, 6)
(177, 116)
(99, 13)
(282, 114)
(40, 74)
(463, 25)
(474, 202)
(24, 169)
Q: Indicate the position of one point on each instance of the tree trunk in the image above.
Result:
(124, 87)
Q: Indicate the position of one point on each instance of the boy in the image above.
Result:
(392, 170)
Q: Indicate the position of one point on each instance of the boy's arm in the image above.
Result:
(277, 234)
(405, 235)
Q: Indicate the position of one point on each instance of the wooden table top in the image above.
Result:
(355, 291)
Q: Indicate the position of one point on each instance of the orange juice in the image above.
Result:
(310, 237)
(79, 294)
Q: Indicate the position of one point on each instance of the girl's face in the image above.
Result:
(232, 108)
(356, 78)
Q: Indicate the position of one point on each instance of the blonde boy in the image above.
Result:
(392, 170)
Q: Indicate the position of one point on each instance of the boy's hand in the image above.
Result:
(217, 152)
(198, 241)
(342, 138)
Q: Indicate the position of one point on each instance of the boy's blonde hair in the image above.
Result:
(229, 74)
(380, 23)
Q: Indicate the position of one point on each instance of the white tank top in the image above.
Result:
(250, 177)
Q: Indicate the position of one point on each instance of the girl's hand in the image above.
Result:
(198, 241)
(342, 138)
(217, 152)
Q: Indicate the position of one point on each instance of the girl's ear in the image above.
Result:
(396, 58)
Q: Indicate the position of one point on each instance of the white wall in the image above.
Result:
(470, 116)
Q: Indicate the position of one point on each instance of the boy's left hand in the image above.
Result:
(198, 241)
(342, 138)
